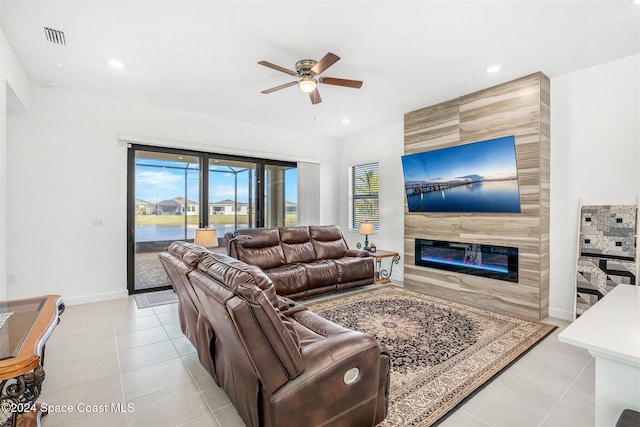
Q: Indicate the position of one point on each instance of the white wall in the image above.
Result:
(595, 156)
(13, 92)
(385, 145)
(3, 168)
(67, 168)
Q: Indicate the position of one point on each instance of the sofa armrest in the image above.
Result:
(288, 306)
(343, 371)
(357, 253)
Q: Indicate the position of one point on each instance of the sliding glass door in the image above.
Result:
(167, 193)
(232, 198)
(280, 201)
(172, 192)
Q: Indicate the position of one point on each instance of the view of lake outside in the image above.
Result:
(488, 196)
(155, 232)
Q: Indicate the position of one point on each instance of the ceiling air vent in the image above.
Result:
(55, 36)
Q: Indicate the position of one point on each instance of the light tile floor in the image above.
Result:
(111, 364)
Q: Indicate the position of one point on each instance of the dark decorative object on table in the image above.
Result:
(366, 228)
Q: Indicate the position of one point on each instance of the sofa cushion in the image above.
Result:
(311, 326)
(289, 280)
(188, 252)
(280, 335)
(354, 269)
(230, 271)
(321, 273)
(262, 249)
(296, 244)
(328, 241)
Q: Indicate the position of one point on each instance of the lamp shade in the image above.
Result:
(206, 237)
(366, 228)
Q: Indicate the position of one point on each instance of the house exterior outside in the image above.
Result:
(144, 208)
(228, 207)
(176, 206)
(290, 207)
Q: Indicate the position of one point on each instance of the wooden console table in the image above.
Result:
(610, 330)
(382, 276)
(28, 324)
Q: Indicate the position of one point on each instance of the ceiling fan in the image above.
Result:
(309, 70)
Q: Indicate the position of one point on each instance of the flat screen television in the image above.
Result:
(477, 177)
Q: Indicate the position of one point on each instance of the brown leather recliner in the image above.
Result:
(279, 363)
(181, 259)
(303, 261)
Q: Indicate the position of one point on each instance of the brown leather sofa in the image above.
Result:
(279, 363)
(303, 261)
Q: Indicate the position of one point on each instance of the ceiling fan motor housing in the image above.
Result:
(304, 66)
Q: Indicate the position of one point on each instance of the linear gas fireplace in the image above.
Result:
(495, 262)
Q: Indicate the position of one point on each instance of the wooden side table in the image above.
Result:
(27, 325)
(382, 276)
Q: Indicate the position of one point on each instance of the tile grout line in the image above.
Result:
(115, 337)
(182, 360)
(476, 417)
(193, 379)
(555, 405)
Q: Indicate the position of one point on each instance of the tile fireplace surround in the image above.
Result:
(519, 108)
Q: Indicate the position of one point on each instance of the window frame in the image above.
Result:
(355, 172)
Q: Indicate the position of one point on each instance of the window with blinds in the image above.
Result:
(363, 195)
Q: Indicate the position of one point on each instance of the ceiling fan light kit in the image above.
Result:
(307, 84)
(309, 70)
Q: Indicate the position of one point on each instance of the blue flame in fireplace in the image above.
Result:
(499, 269)
(494, 262)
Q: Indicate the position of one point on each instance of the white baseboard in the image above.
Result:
(559, 313)
(398, 279)
(85, 299)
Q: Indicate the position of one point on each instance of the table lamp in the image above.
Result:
(366, 228)
(207, 237)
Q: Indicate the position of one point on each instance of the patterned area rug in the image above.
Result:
(441, 351)
(153, 299)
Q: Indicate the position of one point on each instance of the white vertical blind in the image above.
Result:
(308, 193)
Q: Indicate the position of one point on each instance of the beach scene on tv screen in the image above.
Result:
(476, 177)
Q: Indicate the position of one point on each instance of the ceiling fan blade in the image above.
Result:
(327, 61)
(356, 84)
(273, 89)
(277, 67)
(315, 97)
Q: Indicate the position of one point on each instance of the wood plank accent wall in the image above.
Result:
(519, 108)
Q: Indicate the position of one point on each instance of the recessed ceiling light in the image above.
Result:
(116, 64)
(494, 68)
(346, 121)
